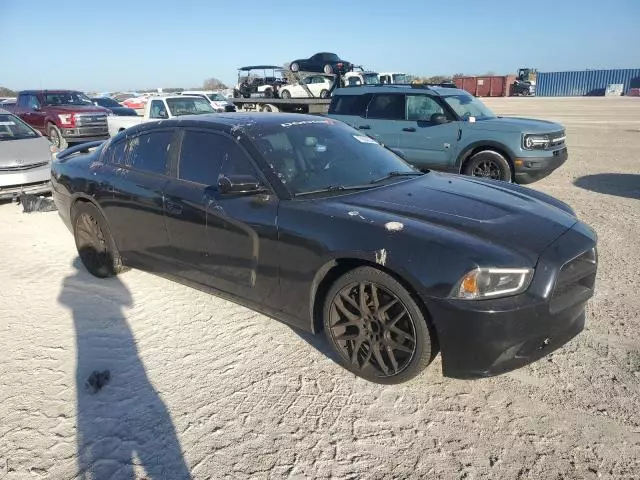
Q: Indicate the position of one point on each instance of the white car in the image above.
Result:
(361, 78)
(319, 85)
(393, 77)
(217, 100)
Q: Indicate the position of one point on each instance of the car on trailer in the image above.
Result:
(323, 62)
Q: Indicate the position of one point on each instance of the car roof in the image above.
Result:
(55, 90)
(399, 88)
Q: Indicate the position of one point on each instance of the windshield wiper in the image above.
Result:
(396, 174)
(334, 188)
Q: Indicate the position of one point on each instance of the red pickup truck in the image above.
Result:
(65, 116)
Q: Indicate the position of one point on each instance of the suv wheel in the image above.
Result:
(488, 164)
(56, 137)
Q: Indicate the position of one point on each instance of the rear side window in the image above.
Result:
(116, 153)
(387, 106)
(204, 156)
(148, 152)
(349, 104)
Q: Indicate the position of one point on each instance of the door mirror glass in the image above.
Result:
(239, 184)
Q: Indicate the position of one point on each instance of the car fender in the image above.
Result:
(466, 152)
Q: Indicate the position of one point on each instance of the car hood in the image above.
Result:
(75, 109)
(502, 214)
(24, 151)
(517, 124)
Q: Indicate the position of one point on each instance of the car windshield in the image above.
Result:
(12, 128)
(189, 106)
(216, 97)
(106, 102)
(399, 78)
(314, 155)
(66, 98)
(371, 78)
(468, 106)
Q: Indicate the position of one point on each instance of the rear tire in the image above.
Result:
(328, 69)
(488, 164)
(94, 242)
(285, 94)
(54, 134)
(376, 327)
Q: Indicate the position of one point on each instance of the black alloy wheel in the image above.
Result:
(488, 164)
(376, 327)
(95, 245)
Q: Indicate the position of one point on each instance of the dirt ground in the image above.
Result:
(204, 387)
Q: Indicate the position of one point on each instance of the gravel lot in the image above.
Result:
(204, 386)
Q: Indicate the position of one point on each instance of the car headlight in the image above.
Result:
(482, 283)
(534, 142)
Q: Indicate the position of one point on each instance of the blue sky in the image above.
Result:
(135, 44)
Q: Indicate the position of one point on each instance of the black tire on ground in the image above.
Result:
(488, 164)
(328, 69)
(391, 341)
(324, 93)
(54, 134)
(94, 242)
(285, 94)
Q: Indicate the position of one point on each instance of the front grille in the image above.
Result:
(576, 281)
(21, 167)
(91, 120)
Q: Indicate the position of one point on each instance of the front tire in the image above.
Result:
(376, 328)
(54, 134)
(488, 164)
(95, 245)
(294, 67)
(324, 93)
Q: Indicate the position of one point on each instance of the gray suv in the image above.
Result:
(450, 130)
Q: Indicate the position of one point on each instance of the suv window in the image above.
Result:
(28, 101)
(349, 104)
(421, 107)
(205, 156)
(148, 151)
(388, 106)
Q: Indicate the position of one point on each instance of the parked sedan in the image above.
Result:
(322, 63)
(25, 158)
(318, 85)
(311, 222)
(114, 107)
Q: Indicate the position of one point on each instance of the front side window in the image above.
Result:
(422, 108)
(157, 109)
(387, 106)
(149, 151)
(205, 156)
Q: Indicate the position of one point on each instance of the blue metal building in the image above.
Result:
(585, 82)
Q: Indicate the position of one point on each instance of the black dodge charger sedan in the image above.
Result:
(307, 220)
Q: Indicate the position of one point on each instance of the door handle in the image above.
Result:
(409, 129)
(173, 207)
(364, 127)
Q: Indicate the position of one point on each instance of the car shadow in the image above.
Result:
(619, 184)
(121, 420)
(319, 342)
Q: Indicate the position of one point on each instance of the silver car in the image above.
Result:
(25, 158)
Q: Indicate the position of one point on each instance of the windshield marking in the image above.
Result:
(365, 139)
(306, 122)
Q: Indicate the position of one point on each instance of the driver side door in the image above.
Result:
(427, 143)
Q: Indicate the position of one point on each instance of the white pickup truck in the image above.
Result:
(161, 108)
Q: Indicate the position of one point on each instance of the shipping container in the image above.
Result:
(486, 86)
(585, 82)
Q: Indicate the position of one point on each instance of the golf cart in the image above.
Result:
(259, 81)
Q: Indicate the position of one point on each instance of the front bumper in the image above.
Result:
(490, 337)
(34, 181)
(37, 188)
(532, 169)
(85, 134)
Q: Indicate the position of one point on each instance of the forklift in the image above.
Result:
(525, 83)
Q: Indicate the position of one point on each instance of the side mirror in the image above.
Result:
(438, 119)
(471, 119)
(36, 108)
(239, 184)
